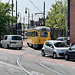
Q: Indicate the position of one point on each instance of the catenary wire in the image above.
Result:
(35, 6)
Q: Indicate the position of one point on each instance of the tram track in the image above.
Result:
(37, 60)
(40, 63)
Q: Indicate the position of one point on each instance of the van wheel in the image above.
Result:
(66, 57)
(7, 46)
(54, 55)
(20, 47)
(1, 45)
(42, 53)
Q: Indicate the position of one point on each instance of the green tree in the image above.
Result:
(57, 17)
(5, 17)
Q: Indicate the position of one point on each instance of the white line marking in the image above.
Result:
(36, 73)
(37, 60)
(18, 62)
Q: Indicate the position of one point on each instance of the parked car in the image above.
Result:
(12, 41)
(70, 54)
(54, 48)
(62, 39)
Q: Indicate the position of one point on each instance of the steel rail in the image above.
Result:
(37, 61)
(20, 65)
(18, 62)
(41, 64)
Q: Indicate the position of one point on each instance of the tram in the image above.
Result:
(37, 36)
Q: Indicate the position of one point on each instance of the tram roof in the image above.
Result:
(41, 28)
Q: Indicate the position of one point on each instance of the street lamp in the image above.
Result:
(23, 27)
(28, 15)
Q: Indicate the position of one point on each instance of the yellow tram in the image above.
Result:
(37, 36)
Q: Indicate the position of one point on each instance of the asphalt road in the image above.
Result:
(30, 62)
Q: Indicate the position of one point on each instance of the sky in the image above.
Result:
(22, 4)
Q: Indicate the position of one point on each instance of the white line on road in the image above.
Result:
(36, 73)
(37, 60)
(18, 62)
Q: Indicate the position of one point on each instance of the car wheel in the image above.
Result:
(66, 57)
(54, 55)
(42, 53)
(20, 47)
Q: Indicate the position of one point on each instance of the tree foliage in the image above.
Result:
(57, 17)
(5, 16)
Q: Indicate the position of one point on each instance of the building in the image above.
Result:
(72, 21)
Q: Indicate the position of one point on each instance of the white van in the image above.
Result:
(12, 41)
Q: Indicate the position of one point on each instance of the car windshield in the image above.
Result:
(16, 38)
(60, 44)
(73, 47)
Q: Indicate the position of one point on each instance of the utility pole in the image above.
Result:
(32, 16)
(12, 19)
(44, 15)
(23, 27)
(16, 19)
(68, 24)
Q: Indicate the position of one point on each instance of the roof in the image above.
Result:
(41, 28)
(12, 35)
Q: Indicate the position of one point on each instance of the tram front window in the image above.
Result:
(43, 34)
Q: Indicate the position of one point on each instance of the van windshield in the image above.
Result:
(16, 38)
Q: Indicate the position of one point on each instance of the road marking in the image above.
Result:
(30, 56)
(57, 61)
(39, 62)
(20, 65)
(36, 73)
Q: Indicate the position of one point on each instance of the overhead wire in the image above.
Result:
(35, 6)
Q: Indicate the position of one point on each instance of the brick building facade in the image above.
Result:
(72, 21)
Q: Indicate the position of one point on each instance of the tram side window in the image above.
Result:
(32, 34)
(36, 34)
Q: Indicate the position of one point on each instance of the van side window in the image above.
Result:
(5, 38)
(16, 38)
